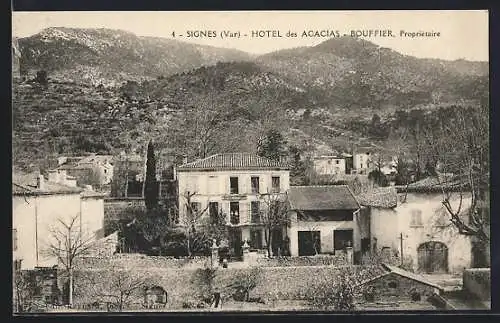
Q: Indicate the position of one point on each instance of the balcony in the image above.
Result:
(234, 197)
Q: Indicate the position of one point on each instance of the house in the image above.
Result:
(95, 170)
(324, 219)
(329, 165)
(236, 184)
(413, 223)
(36, 211)
(362, 160)
(127, 175)
(396, 287)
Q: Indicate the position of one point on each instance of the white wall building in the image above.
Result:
(329, 165)
(36, 211)
(234, 183)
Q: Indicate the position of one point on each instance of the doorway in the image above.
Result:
(342, 238)
(433, 257)
(235, 242)
(309, 243)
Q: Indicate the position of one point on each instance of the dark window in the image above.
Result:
(234, 211)
(14, 239)
(337, 162)
(342, 239)
(255, 206)
(393, 284)
(233, 185)
(255, 185)
(256, 239)
(415, 296)
(17, 265)
(213, 209)
(309, 243)
(275, 184)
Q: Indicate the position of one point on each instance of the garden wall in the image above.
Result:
(318, 260)
(183, 285)
(477, 281)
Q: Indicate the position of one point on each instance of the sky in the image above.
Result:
(463, 34)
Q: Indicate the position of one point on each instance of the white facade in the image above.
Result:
(329, 165)
(35, 215)
(421, 219)
(326, 229)
(215, 186)
(362, 162)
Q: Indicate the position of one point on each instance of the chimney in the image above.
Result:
(184, 160)
(40, 182)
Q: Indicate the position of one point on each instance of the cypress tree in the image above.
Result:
(151, 185)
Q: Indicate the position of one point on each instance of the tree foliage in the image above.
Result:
(272, 145)
(151, 184)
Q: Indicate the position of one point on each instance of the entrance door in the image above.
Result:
(433, 257)
(309, 243)
(342, 238)
(277, 241)
(235, 242)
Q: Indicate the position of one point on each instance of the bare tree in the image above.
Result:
(190, 220)
(116, 285)
(66, 243)
(462, 147)
(274, 216)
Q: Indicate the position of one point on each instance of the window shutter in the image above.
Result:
(243, 212)
(261, 185)
(249, 212)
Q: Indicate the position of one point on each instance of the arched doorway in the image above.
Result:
(433, 257)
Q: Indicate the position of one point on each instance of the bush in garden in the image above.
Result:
(244, 282)
(335, 292)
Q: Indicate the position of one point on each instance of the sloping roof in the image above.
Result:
(25, 184)
(381, 197)
(403, 273)
(234, 161)
(434, 184)
(410, 275)
(328, 197)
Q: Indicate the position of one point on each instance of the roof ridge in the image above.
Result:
(321, 185)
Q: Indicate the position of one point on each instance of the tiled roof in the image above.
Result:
(234, 161)
(25, 184)
(434, 184)
(382, 197)
(328, 197)
(89, 194)
(401, 272)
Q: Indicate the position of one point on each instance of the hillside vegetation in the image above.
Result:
(109, 91)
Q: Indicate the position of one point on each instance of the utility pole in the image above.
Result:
(401, 238)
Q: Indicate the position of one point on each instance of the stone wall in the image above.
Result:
(477, 281)
(396, 288)
(183, 286)
(132, 261)
(319, 260)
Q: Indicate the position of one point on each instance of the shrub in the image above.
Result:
(244, 282)
(335, 292)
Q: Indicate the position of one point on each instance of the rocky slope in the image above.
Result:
(111, 56)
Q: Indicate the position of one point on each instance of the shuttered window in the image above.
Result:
(416, 218)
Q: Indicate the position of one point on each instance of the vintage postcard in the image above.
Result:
(256, 161)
